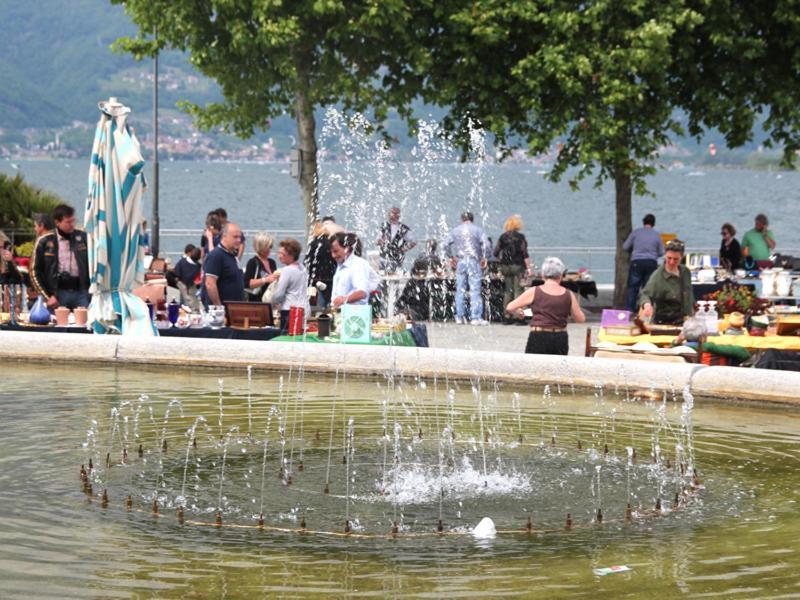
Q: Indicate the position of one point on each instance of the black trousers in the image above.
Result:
(547, 342)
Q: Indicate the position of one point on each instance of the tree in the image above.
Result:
(606, 80)
(20, 202)
(272, 57)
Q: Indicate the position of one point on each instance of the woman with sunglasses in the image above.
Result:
(730, 253)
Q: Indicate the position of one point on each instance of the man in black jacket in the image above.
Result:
(61, 262)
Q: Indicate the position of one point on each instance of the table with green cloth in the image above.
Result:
(417, 336)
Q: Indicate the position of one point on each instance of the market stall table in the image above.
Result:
(416, 336)
(749, 342)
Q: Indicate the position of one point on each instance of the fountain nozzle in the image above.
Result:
(676, 502)
(439, 527)
(695, 478)
(104, 499)
(580, 446)
(303, 523)
(658, 505)
(520, 439)
(155, 506)
(164, 445)
(327, 489)
(84, 474)
(218, 519)
(605, 449)
(347, 529)
(395, 528)
(108, 459)
(141, 451)
(599, 516)
(124, 454)
(261, 520)
(529, 525)
(180, 515)
(628, 513)
(90, 464)
(129, 503)
(568, 524)
(300, 467)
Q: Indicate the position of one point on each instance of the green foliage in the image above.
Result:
(608, 79)
(265, 54)
(20, 201)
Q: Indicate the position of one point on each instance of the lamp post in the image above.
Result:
(155, 227)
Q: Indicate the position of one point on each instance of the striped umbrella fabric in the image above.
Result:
(113, 221)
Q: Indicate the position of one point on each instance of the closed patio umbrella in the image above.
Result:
(113, 225)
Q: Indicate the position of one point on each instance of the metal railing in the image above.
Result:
(598, 260)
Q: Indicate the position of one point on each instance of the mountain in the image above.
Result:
(56, 63)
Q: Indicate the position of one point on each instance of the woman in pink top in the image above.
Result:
(551, 305)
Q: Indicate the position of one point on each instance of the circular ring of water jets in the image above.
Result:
(413, 461)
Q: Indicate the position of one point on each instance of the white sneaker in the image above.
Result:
(459, 321)
(480, 322)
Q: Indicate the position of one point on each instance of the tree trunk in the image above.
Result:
(307, 144)
(622, 184)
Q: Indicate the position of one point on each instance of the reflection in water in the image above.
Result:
(739, 533)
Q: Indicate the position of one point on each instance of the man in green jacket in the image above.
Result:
(667, 297)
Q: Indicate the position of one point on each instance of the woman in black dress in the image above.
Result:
(259, 267)
(730, 253)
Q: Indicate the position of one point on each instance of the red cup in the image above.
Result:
(296, 318)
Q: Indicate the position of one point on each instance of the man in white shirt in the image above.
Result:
(353, 281)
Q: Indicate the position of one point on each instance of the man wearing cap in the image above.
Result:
(396, 239)
(468, 249)
(758, 243)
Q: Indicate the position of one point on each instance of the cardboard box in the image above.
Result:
(612, 317)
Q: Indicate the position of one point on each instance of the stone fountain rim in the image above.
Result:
(713, 383)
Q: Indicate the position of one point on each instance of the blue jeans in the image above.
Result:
(638, 274)
(469, 271)
(73, 298)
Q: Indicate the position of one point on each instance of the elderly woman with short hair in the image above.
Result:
(259, 268)
(551, 305)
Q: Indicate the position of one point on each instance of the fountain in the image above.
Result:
(419, 457)
(244, 469)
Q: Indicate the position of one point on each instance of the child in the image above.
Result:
(188, 273)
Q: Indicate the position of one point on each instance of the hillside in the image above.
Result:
(56, 63)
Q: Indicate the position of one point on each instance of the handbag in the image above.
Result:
(39, 315)
(267, 295)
